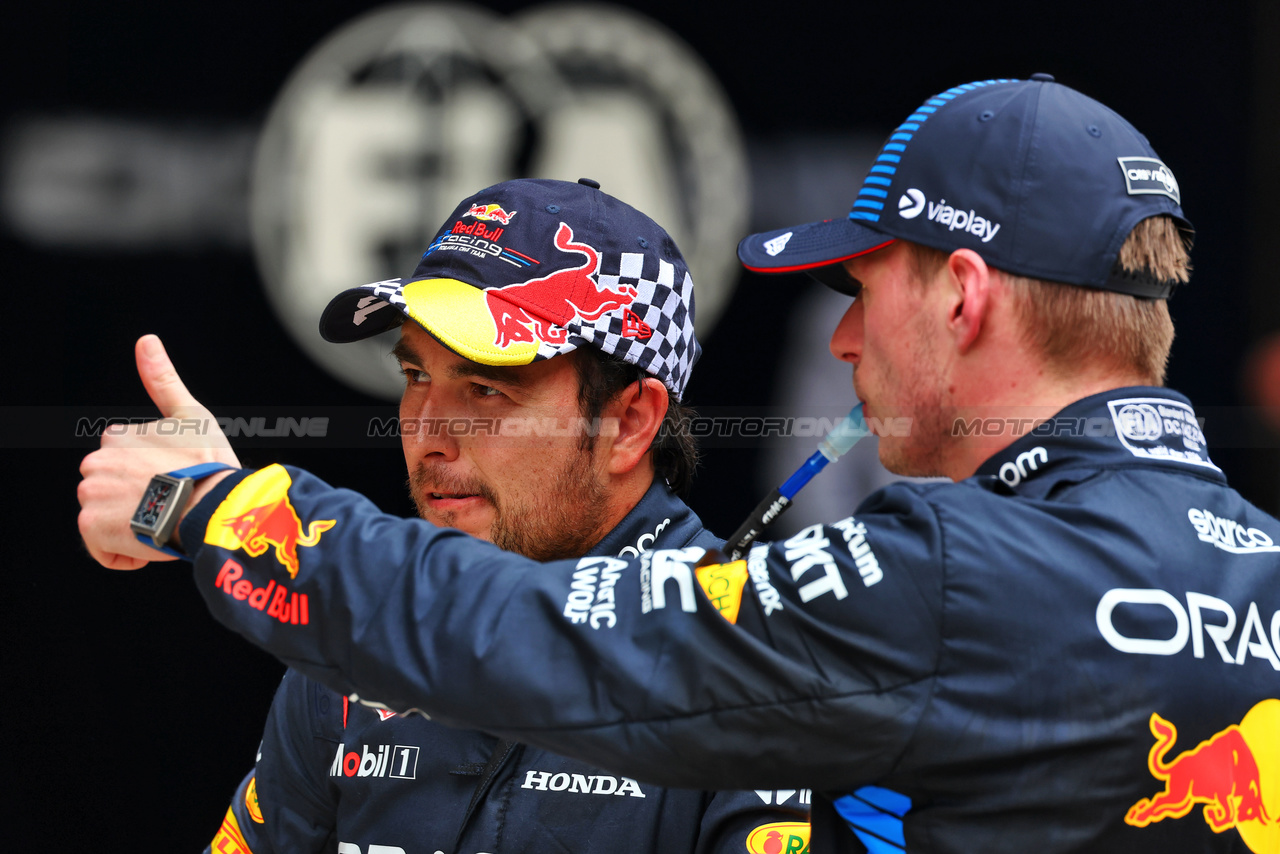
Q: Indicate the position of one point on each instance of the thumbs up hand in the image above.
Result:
(116, 475)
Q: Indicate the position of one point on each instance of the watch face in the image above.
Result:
(154, 501)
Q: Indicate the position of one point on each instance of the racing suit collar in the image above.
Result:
(1120, 428)
(659, 520)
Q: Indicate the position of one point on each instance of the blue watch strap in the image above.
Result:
(196, 472)
(203, 470)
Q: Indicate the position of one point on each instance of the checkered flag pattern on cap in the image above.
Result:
(654, 333)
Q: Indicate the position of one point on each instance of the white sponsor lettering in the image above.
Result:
(758, 570)
(855, 535)
(353, 848)
(1149, 175)
(953, 218)
(1016, 471)
(1229, 535)
(781, 796)
(367, 306)
(586, 784)
(657, 568)
(1190, 622)
(645, 541)
(806, 551)
(591, 594)
(386, 760)
(775, 246)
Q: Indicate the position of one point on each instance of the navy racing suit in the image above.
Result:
(1076, 649)
(334, 775)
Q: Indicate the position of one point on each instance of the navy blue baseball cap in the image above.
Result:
(530, 269)
(1038, 179)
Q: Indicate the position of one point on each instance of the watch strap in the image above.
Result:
(192, 473)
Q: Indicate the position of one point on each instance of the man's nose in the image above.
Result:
(846, 341)
(427, 428)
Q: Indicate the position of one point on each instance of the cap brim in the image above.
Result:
(808, 248)
(458, 315)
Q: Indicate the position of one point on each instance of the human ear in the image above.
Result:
(969, 297)
(639, 410)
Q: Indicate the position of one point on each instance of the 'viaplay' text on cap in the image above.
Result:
(1038, 179)
(529, 269)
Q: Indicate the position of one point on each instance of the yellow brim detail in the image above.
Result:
(457, 316)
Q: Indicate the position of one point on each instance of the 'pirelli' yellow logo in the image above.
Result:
(723, 583)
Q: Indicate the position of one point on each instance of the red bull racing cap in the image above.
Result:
(1038, 179)
(529, 269)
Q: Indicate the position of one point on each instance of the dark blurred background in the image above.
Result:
(133, 714)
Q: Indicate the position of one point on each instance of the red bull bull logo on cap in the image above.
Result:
(1234, 774)
(539, 309)
(258, 515)
(491, 213)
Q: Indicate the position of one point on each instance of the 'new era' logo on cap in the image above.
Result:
(1148, 175)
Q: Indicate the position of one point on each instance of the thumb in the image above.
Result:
(161, 380)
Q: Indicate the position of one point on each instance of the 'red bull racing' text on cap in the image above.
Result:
(1038, 179)
(529, 269)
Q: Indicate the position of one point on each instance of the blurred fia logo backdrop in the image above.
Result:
(398, 115)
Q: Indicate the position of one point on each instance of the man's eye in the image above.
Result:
(485, 390)
(414, 375)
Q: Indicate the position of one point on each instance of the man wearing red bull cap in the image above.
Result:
(545, 337)
(1073, 646)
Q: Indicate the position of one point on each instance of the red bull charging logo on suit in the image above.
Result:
(1234, 774)
(257, 515)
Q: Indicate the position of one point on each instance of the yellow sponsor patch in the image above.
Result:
(257, 515)
(229, 839)
(780, 837)
(251, 801)
(723, 583)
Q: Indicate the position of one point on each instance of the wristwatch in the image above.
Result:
(162, 504)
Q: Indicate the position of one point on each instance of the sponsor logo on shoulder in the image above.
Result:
(1157, 428)
(582, 784)
(1149, 175)
(1229, 535)
(855, 535)
(807, 551)
(251, 801)
(591, 592)
(758, 570)
(723, 583)
(257, 516)
(913, 203)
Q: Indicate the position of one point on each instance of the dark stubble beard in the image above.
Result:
(562, 521)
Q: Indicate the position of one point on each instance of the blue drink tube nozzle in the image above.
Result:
(838, 442)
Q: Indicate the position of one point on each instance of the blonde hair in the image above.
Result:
(1070, 325)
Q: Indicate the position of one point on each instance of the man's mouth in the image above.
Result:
(453, 495)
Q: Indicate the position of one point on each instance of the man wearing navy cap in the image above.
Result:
(1073, 646)
(546, 337)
